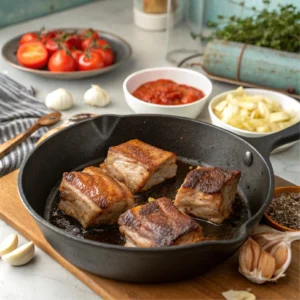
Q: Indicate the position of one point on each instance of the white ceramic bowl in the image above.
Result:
(286, 103)
(179, 75)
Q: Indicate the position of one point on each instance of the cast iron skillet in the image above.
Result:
(89, 140)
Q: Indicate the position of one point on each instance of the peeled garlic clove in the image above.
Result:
(9, 244)
(96, 96)
(21, 255)
(59, 99)
(238, 295)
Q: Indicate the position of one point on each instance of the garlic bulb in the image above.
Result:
(96, 96)
(266, 255)
(59, 99)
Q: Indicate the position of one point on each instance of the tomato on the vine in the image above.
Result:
(64, 50)
(89, 33)
(53, 45)
(76, 54)
(107, 54)
(90, 60)
(29, 37)
(32, 55)
(86, 44)
(62, 61)
(101, 42)
(46, 35)
(93, 43)
(74, 41)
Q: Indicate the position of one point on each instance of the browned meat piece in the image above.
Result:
(93, 197)
(208, 193)
(157, 224)
(139, 165)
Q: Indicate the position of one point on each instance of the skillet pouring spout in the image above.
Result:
(88, 141)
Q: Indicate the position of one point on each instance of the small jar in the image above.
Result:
(151, 14)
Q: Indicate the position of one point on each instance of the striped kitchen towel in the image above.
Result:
(19, 110)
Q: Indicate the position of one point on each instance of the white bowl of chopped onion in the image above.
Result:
(254, 112)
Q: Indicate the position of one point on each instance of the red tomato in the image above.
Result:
(90, 61)
(62, 61)
(29, 37)
(92, 43)
(76, 54)
(32, 55)
(73, 41)
(107, 55)
(89, 33)
(86, 44)
(46, 35)
(51, 46)
(100, 42)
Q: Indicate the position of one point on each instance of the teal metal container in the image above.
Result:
(255, 65)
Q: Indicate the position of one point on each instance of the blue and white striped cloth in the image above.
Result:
(19, 110)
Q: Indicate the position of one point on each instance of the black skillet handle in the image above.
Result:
(269, 142)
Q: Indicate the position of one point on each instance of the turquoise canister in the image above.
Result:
(252, 64)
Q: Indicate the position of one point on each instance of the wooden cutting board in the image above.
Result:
(208, 286)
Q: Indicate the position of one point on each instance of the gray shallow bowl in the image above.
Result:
(120, 47)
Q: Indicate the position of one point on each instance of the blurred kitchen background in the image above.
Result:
(15, 11)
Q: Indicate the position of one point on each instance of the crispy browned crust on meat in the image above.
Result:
(209, 180)
(158, 224)
(87, 185)
(139, 165)
(208, 193)
(147, 155)
(112, 189)
(93, 197)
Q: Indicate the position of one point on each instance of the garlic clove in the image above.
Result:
(59, 99)
(245, 258)
(20, 256)
(9, 244)
(249, 256)
(238, 295)
(96, 96)
(249, 261)
(266, 265)
(280, 256)
(283, 260)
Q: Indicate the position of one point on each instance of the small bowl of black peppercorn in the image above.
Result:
(283, 213)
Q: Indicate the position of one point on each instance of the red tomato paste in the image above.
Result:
(167, 92)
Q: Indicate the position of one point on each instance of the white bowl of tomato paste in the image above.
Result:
(168, 91)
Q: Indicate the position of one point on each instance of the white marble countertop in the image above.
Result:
(44, 278)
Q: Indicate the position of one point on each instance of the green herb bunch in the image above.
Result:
(273, 29)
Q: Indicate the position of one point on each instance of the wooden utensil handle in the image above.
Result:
(6, 147)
